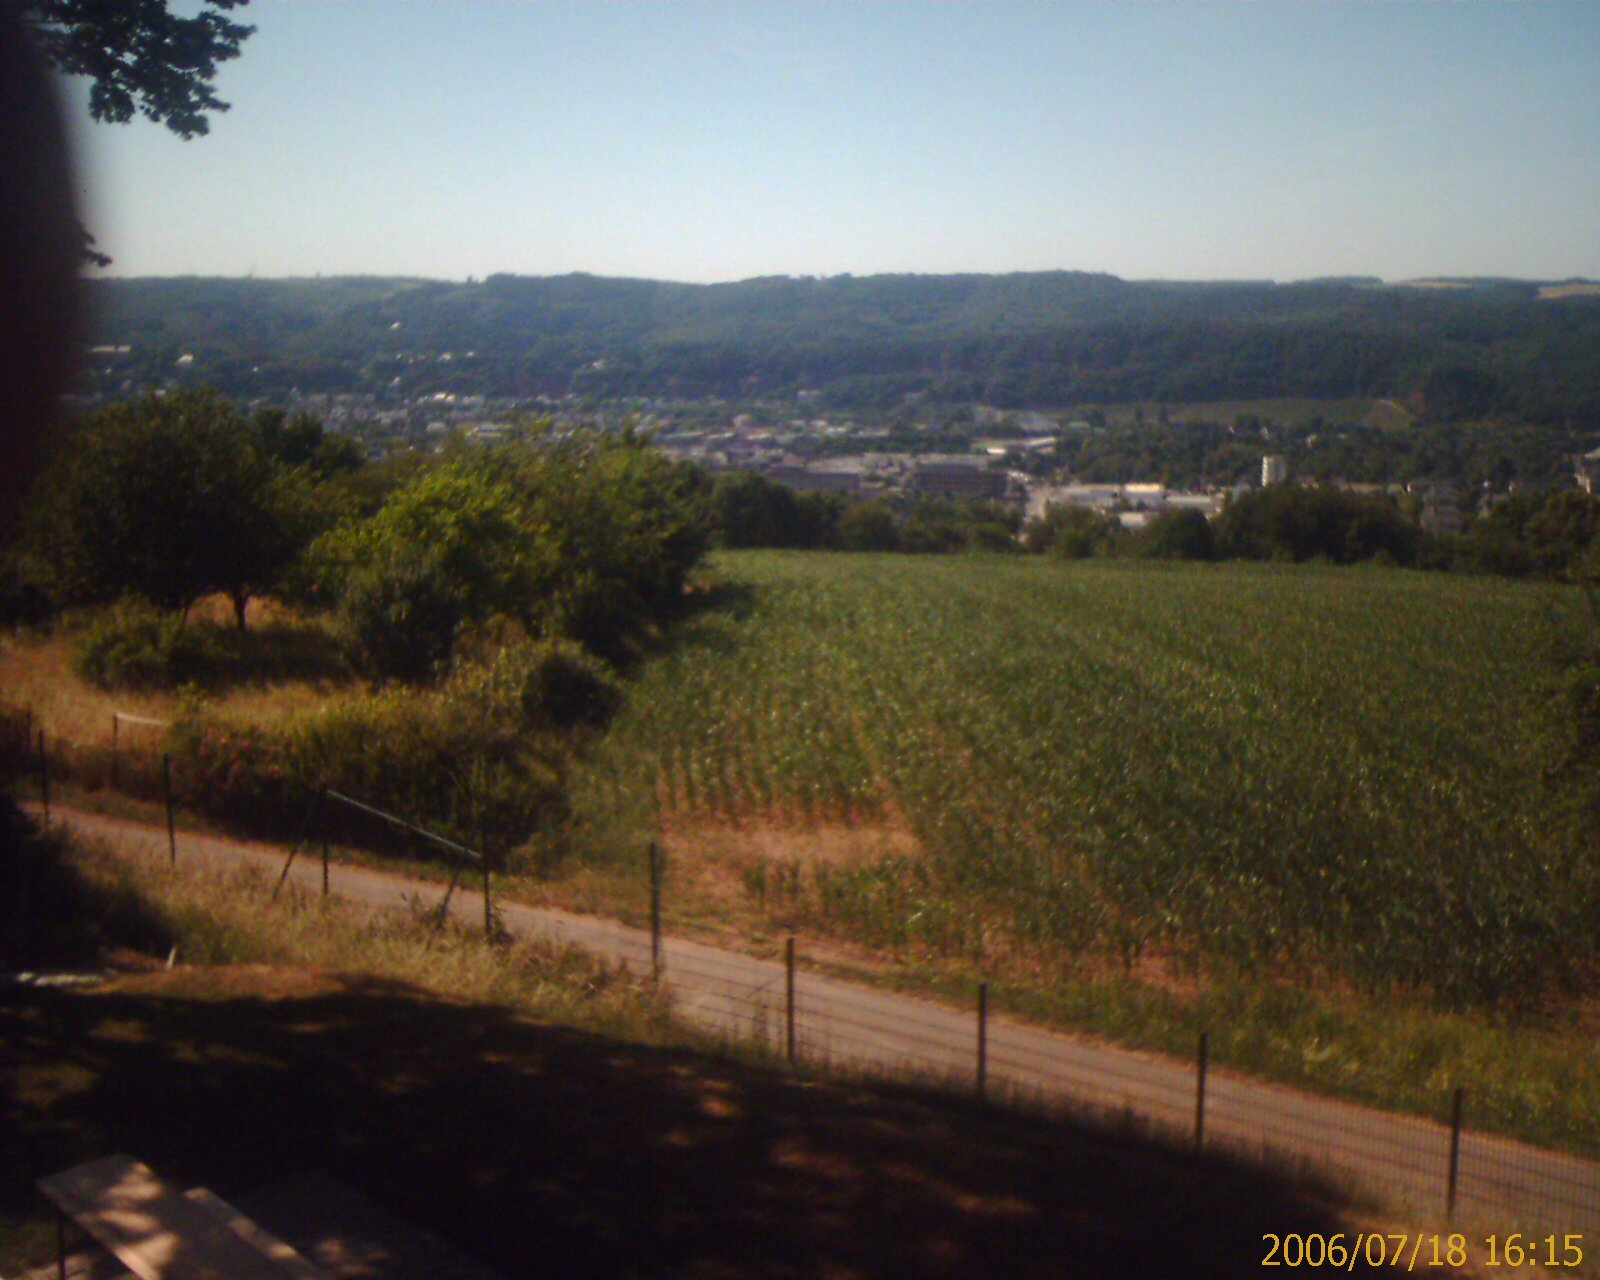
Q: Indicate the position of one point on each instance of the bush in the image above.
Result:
(465, 759)
(402, 616)
(567, 687)
(1288, 522)
(24, 601)
(243, 777)
(868, 526)
(1071, 532)
(133, 646)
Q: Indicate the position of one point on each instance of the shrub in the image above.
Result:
(466, 759)
(133, 646)
(402, 616)
(1071, 532)
(565, 686)
(240, 776)
(1176, 535)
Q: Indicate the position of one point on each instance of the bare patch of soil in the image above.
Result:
(834, 844)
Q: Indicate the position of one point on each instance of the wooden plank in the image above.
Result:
(254, 1234)
(152, 1228)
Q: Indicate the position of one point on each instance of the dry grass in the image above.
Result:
(36, 673)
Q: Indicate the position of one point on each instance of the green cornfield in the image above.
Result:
(1329, 773)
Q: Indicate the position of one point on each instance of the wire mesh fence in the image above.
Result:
(1432, 1167)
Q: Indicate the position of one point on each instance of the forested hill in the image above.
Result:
(1040, 340)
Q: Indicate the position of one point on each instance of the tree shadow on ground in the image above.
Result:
(53, 917)
(702, 619)
(543, 1150)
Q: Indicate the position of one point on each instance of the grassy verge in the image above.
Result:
(1526, 1078)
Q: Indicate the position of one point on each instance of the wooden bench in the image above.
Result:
(160, 1233)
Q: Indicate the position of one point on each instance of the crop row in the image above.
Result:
(1336, 769)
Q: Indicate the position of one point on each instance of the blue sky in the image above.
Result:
(716, 141)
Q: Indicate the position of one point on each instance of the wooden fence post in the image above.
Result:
(166, 792)
(655, 910)
(788, 964)
(44, 778)
(488, 889)
(983, 1040)
(1453, 1177)
(1200, 1093)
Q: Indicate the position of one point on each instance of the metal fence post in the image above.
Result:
(983, 1040)
(324, 865)
(44, 778)
(655, 910)
(1200, 1093)
(1454, 1175)
(115, 721)
(166, 792)
(788, 964)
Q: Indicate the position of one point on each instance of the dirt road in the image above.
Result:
(1407, 1159)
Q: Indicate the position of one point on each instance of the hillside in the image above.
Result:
(1026, 340)
(1308, 804)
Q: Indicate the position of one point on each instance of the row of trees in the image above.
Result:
(748, 510)
(180, 497)
(172, 499)
(1553, 535)
(590, 536)
(1548, 534)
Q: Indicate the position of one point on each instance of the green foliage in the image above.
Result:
(1028, 340)
(447, 547)
(402, 612)
(299, 440)
(242, 776)
(750, 511)
(1071, 532)
(474, 756)
(1546, 535)
(141, 58)
(1125, 761)
(1291, 522)
(166, 498)
(1175, 535)
(625, 525)
(869, 526)
(133, 646)
(591, 537)
(567, 687)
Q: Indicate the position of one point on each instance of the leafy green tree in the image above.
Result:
(751, 511)
(447, 547)
(1071, 532)
(165, 498)
(1289, 522)
(869, 526)
(1544, 535)
(590, 537)
(1177, 535)
(300, 440)
(141, 57)
(625, 524)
